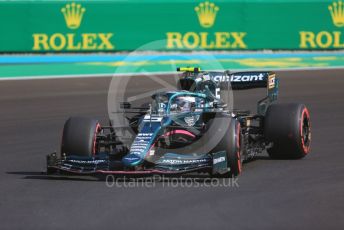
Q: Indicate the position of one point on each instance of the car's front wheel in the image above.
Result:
(231, 142)
(79, 137)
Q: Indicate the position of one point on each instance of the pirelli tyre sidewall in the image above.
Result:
(79, 137)
(288, 128)
(231, 143)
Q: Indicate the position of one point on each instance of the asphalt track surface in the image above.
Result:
(272, 194)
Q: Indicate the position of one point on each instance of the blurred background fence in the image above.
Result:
(112, 25)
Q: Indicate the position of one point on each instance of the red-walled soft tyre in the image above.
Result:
(288, 127)
(79, 137)
(231, 143)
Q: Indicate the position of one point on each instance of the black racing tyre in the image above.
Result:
(79, 137)
(288, 127)
(231, 142)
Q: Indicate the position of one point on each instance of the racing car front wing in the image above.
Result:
(168, 164)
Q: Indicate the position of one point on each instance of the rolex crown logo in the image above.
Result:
(206, 13)
(73, 15)
(337, 13)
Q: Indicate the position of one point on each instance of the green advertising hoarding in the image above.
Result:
(109, 25)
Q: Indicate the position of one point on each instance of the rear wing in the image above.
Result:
(236, 81)
(248, 80)
(251, 80)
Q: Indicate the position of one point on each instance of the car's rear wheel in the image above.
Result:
(288, 128)
(79, 137)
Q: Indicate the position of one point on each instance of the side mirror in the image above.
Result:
(125, 105)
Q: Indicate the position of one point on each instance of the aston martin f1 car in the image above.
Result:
(192, 129)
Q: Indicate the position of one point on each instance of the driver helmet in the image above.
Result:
(183, 104)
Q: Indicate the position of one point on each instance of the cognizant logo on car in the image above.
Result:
(239, 78)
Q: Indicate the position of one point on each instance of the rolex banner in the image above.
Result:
(170, 25)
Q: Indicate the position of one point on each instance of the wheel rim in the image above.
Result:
(94, 147)
(305, 131)
(238, 143)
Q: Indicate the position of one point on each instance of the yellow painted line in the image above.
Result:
(245, 62)
(325, 58)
